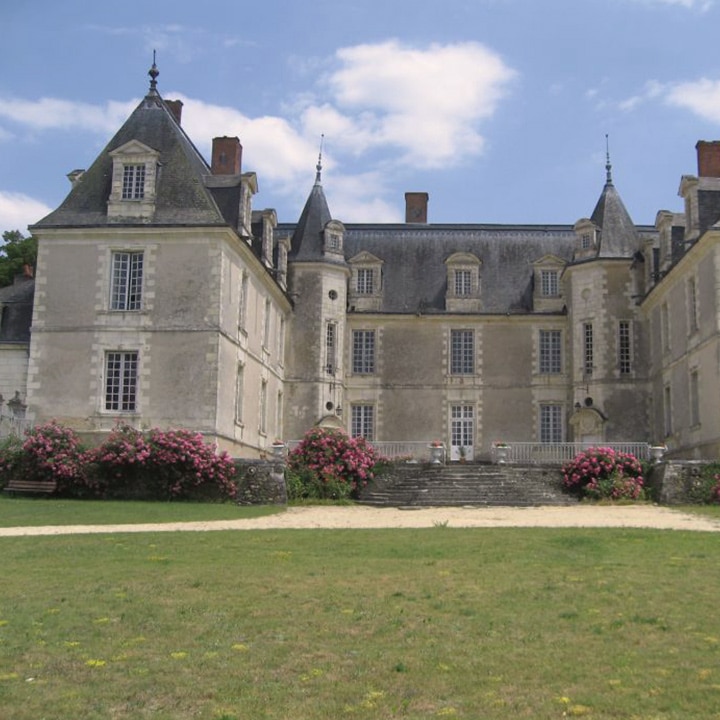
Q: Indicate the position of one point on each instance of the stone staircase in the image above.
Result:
(471, 484)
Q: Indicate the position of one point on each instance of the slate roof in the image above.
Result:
(182, 197)
(618, 237)
(17, 302)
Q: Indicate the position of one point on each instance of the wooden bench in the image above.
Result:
(45, 487)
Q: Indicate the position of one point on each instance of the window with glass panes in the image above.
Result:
(462, 352)
(624, 357)
(363, 349)
(362, 421)
(549, 283)
(551, 428)
(126, 281)
(587, 348)
(463, 282)
(365, 284)
(133, 187)
(550, 351)
(121, 381)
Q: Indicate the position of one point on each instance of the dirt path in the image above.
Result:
(359, 517)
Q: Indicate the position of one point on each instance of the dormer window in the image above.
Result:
(463, 283)
(134, 180)
(587, 237)
(547, 296)
(365, 285)
(333, 238)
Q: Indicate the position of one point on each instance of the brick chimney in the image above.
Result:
(226, 156)
(416, 206)
(175, 107)
(708, 154)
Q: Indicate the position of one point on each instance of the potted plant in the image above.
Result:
(437, 452)
(501, 450)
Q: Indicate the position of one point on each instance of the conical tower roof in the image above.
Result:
(307, 240)
(618, 235)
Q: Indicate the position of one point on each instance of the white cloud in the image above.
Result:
(701, 97)
(17, 211)
(426, 102)
(701, 5)
(53, 113)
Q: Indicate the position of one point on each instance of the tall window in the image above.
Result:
(587, 349)
(242, 314)
(551, 430)
(330, 347)
(667, 409)
(365, 281)
(550, 351)
(121, 381)
(362, 421)
(279, 415)
(133, 187)
(586, 241)
(694, 399)
(463, 282)
(239, 393)
(281, 340)
(665, 326)
(263, 407)
(126, 281)
(692, 304)
(266, 329)
(549, 283)
(624, 355)
(462, 352)
(363, 352)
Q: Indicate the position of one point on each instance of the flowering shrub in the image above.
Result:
(604, 473)
(49, 452)
(161, 465)
(329, 464)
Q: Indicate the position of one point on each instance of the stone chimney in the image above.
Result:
(416, 206)
(175, 107)
(226, 156)
(708, 155)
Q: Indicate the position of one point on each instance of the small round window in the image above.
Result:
(332, 295)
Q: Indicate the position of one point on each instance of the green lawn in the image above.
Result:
(34, 511)
(321, 624)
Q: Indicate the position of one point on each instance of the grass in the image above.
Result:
(29, 511)
(366, 624)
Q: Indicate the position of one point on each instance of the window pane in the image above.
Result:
(463, 282)
(550, 351)
(624, 347)
(549, 283)
(551, 423)
(363, 352)
(133, 182)
(588, 349)
(121, 381)
(363, 421)
(365, 281)
(462, 352)
(126, 281)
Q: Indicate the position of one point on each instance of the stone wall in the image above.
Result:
(260, 482)
(677, 482)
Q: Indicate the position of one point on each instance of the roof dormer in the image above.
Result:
(365, 291)
(587, 239)
(134, 182)
(463, 283)
(548, 295)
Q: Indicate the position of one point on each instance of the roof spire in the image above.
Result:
(318, 167)
(608, 165)
(153, 72)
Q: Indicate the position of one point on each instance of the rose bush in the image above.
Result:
(328, 464)
(604, 473)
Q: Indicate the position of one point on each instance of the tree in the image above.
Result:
(16, 252)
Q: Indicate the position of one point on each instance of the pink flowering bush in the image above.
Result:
(160, 465)
(328, 464)
(604, 473)
(49, 452)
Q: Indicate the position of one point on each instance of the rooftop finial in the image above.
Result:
(318, 167)
(153, 72)
(608, 165)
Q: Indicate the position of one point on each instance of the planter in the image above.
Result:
(278, 450)
(502, 453)
(657, 452)
(437, 453)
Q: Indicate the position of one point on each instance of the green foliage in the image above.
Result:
(16, 252)
(328, 464)
(704, 488)
(602, 473)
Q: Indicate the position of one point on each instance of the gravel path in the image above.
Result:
(359, 517)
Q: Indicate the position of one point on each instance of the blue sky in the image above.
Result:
(497, 108)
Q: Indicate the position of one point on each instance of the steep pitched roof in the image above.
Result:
(618, 237)
(181, 199)
(306, 244)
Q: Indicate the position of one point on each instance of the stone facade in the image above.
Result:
(162, 298)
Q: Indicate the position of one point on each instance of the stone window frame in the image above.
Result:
(461, 345)
(127, 285)
(551, 422)
(463, 262)
(364, 351)
(121, 381)
(363, 417)
(542, 270)
(624, 347)
(550, 351)
(368, 265)
(141, 202)
(333, 239)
